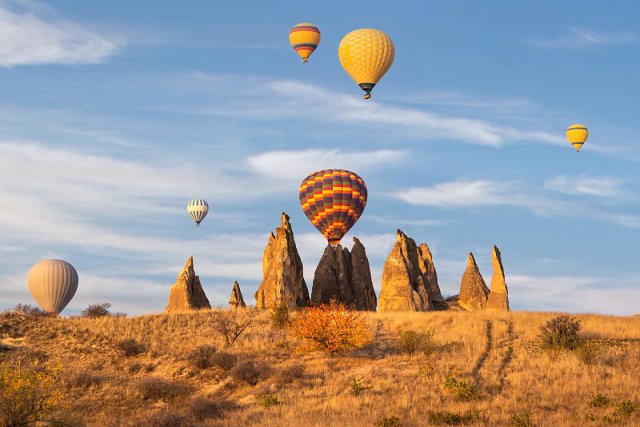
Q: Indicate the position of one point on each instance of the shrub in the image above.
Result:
(357, 387)
(331, 328)
(231, 324)
(280, 318)
(598, 401)
(130, 347)
(203, 408)
(390, 421)
(27, 396)
(560, 332)
(588, 352)
(268, 400)
(225, 361)
(523, 419)
(165, 418)
(28, 310)
(99, 310)
(417, 342)
(84, 379)
(472, 416)
(155, 388)
(290, 373)
(246, 372)
(626, 408)
(460, 388)
(202, 357)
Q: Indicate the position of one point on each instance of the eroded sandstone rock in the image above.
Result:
(187, 293)
(236, 301)
(473, 290)
(499, 296)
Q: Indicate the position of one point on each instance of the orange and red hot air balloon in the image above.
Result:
(333, 200)
(304, 38)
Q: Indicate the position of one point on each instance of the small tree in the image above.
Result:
(331, 328)
(100, 310)
(230, 324)
(27, 396)
(280, 318)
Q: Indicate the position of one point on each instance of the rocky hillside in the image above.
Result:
(433, 368)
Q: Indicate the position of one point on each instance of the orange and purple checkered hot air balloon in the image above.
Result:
(333, 200)
(304, 38)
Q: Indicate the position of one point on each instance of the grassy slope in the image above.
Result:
(554, 388)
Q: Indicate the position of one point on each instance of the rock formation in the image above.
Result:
(187, 293)
(236, 301)
(499, 295)
(282, 271)
(473, 290)
(345, 277)
(409, 279)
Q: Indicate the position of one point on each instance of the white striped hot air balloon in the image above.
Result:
(198, 209)
(52, 283)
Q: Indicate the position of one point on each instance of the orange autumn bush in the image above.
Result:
(331, 328)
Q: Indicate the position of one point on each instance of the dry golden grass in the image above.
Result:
(495, 353)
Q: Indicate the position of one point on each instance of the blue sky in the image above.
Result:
(112, 116)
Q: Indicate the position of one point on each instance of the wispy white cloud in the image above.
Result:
(297, 164)
(462, 193)
(27, 38)
(587, 186)
(582, 38)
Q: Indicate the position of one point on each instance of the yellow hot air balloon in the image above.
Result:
(304, 38)
(577, 135)
(366, 55)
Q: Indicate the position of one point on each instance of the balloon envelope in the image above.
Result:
(333, 200)
(366, 55)
(304, 39)
(577, 135)
(198, 209)
(52, 283)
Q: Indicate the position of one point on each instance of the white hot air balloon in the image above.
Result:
(52, 283)
(198, 209)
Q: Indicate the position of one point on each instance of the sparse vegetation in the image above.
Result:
(231, 324)
(389, 421)
(130, 347)
(203, 357)
(268, 400)
(561, 332)
(331, 328)
(460, 388)
(28, 310)
(417, 341)
(246, 372)
(588, 352)
(314, 388)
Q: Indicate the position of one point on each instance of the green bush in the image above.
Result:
(560, 333)
(390, 421)
(598, 401)
(417, 342)
(523, 419)
(460, 388)
(268, 400)
(280, 318)
(472, 416)
(357, 387)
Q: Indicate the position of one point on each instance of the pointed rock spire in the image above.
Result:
(345, 277)
(473, 290)
(282, 280)
(405, 278)
(236, 301)
(187, 293)
(499, 295)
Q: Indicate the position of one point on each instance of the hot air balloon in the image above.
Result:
(52, 283)
(198, 209)
(333, 200)
(304, 38)
(366, 54)
(577, 135)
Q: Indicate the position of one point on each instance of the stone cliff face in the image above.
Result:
(236, 301)
(345, 277)
(499, 296)
(409, 279)
(282, 271)
(473, 290)
(187, 293)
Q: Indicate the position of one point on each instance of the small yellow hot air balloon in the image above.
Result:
(366, 55)
(577, 135)
(304, 38)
